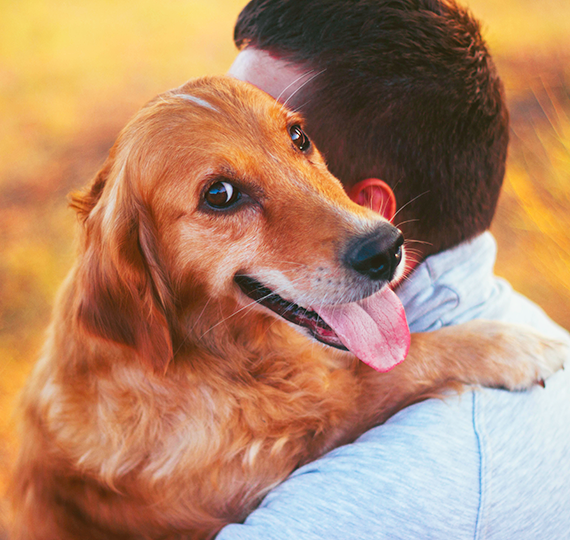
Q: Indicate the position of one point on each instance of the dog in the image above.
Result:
(215, 330)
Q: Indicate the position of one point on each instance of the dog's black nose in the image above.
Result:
(377, 255)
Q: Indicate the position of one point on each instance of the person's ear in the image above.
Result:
(376, 195)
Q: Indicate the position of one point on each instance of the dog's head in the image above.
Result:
(213, 199)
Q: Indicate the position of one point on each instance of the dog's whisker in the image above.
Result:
(296, 264)
(413, 246)
(244, 310)
(410, 202)
(201, 313)
(301, 106)
(224, 319)
(292, 83)
(407, 277)
(405, 222)
(186, 337)
(419, 242)
(309, 80)
(415, 258)
(236, 312)
(398, 182)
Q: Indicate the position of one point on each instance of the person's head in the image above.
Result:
(400, 90)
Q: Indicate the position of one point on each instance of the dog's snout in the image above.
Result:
(377, 255)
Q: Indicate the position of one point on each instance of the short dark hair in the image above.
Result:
(408, 93)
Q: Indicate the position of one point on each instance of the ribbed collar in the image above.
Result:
(454, 286)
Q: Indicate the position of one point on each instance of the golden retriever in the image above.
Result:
(188, 367)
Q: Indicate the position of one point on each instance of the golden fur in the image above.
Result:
(166, 403)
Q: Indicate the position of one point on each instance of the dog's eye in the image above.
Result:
(300, 140)
(221, 195)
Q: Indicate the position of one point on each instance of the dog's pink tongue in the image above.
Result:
(375, 329)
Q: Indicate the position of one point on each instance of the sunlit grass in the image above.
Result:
(533, 224)
(523, 26)
(62, 63)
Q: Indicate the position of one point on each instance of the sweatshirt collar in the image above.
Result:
(451, 287)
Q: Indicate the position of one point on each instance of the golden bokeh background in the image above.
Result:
(73, 72)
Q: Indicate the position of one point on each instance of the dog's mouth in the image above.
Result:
(306, 318)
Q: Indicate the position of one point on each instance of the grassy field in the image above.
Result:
(72, 73)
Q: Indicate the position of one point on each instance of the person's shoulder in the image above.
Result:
(432, 439)
(429, 446)
(512, 307)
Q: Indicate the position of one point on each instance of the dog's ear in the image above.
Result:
(84, 201)
(123, 293)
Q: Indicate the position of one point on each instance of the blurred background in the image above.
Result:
(73, 72)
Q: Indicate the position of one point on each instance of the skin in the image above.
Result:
(276, 77)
